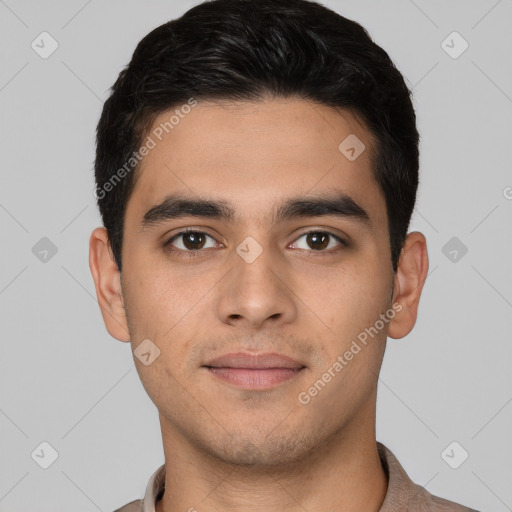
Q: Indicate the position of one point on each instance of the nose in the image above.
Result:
(254, 294)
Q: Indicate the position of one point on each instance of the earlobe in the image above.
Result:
(107, 280)
(409, 280)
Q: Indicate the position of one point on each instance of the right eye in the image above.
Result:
(189, 241)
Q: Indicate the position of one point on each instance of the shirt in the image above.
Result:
(402, 494)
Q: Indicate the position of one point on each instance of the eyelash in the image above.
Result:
(196, 253)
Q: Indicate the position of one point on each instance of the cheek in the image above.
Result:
(163, 291)
(169, 307)
(350, 297)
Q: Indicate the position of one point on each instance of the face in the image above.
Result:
(286, 252)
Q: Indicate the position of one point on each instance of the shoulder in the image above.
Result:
(133, 506)
(422, 501)
(405, 495)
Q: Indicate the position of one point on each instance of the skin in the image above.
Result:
(231, 449)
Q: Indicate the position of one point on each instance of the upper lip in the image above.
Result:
(257, 361)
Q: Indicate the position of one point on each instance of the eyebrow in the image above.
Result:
(176, 206)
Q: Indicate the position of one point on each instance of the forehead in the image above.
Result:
(256, 153)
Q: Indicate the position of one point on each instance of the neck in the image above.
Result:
(345, 473)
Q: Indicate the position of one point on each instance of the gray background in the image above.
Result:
(65, 381)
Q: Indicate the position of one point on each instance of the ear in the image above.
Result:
(409, 280)
(107, 280)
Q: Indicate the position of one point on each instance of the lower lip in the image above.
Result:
(248, 378)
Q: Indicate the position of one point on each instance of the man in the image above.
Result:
(256, 171)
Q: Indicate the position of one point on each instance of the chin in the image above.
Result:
(261, 450)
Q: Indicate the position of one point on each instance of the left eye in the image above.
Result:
(319, 240)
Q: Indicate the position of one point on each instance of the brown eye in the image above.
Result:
(193, 240)
(319, 241)
(189, 241)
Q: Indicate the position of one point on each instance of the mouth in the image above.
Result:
(254, 371)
